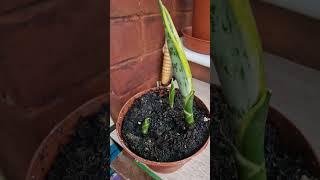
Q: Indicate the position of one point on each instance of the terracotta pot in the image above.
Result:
(61, 134)
(294, 141)
(197, 36)
(161, 167)
(195, 44)
(201, 19)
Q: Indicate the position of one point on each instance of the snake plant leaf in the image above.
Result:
(237, 53)
(250, 170)
(172, 94)
(188, 108)
(181, 69)
(237, 56)
(145, 126)
(250, 142)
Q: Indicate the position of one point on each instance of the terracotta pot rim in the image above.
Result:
(193, 43)
(187, 31)
(56, 128)
(143, 160)
(298, 133)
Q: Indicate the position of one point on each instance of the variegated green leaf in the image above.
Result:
(237, 53)
(237, 56)
(250, 139)
(188, 108)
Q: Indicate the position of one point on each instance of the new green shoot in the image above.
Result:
(145, 126)
(172, 94)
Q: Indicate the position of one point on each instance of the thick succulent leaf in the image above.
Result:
(250, 170)
(251, 134)
(237, 53)
(188, 108)
(180, 64)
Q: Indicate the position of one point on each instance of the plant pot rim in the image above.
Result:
(120, 119)
(294, 138)
(43, 145)
(195, 44)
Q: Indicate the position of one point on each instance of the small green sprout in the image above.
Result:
(145, 126)
(172, 94)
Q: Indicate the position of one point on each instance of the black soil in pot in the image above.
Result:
(169, 138)
(85, 157)
(280, 162)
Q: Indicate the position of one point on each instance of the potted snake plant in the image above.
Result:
(165, 127)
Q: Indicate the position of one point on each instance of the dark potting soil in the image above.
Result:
(169, 138)
(85, 157)
(280, 164)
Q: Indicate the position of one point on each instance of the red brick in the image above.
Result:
(183, 5)
(153, 32)
(47, 54)
(120, 8)
(125, 40)
(181, 20)
(135, 72)
(152, 6)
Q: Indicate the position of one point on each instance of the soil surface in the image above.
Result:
(169, 138)
(85, 157)
(281, 165)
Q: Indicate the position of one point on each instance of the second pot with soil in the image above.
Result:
(76, 148)
(169, 143)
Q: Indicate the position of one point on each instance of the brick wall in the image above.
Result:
(53, 58)
(137, 38)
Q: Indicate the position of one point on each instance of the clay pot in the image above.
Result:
(293, 140)
(161, 167)
(201, 19)
(60, 135)
(197, 36)
(195, 44)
